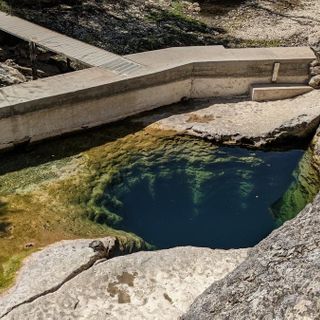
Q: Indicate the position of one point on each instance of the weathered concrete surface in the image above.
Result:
(277, 92)
(214, 62)
(173, 57)
(279, 280)
(143, 285)
(96, 96)
(246, 122)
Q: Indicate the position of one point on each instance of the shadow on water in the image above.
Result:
(61, 147)
(71, 144)
(174, 190)
(67, 145)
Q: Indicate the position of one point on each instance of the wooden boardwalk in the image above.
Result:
(69, 47)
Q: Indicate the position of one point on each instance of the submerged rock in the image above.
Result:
(75, 281)
(143, 285)
(302, 191)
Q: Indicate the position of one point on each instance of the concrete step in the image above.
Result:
(268, 92)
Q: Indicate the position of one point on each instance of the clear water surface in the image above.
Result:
(220, 198)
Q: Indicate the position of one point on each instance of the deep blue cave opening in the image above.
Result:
(221, 199)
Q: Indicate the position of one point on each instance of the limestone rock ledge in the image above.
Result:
(280, 279)
(145, 285)
(246, 123)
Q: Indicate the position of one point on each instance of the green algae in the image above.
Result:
(72, 187)
(301, 192)
(9, 268)
(195, 182)
(41, 203)
(153, 152)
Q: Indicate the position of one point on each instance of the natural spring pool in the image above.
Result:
(145, 186)
(216, 197)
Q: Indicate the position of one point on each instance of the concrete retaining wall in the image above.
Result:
(66, 103)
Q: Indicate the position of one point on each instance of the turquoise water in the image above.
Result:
(218, 197)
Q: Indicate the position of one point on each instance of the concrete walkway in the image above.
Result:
(115, 87)
(69, 47)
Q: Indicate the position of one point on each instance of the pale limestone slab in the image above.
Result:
(144, 285)
(243, 122)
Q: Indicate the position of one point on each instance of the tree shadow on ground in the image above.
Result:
(117, 28)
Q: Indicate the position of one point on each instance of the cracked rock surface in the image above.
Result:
(250, 123)
(46, 270)
(144, 285)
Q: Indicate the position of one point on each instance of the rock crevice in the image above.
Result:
(145, 285)
(102, 249)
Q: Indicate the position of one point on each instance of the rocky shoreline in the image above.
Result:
(314, 43)
(280, 277)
